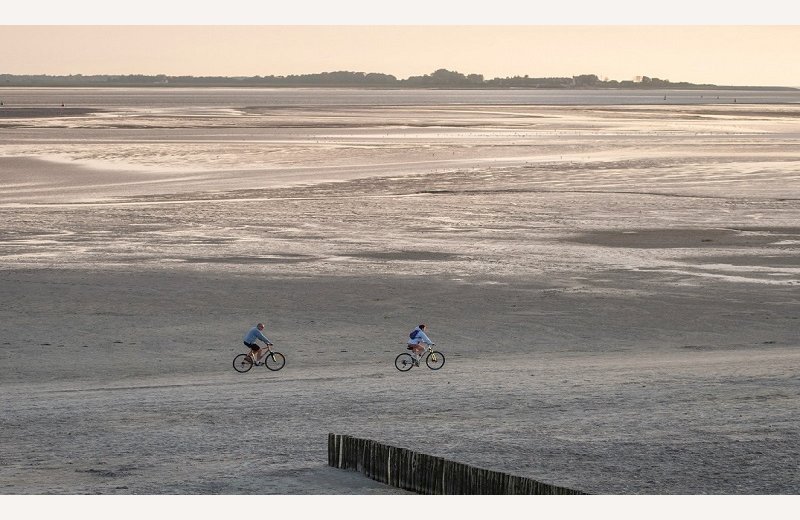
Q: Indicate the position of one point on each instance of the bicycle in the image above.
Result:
(434, 359)
(272, 360)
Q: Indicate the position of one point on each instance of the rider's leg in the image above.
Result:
(252, 352)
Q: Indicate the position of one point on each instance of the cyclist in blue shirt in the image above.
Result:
(417, 341)
(250, 338)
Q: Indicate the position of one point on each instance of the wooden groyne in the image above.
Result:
(427, 474)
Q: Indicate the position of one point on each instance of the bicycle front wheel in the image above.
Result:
(404, 362)
(242, 363)
(435, 360)
(275, 361)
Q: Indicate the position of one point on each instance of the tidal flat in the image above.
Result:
(615, 288)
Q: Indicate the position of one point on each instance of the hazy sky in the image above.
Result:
(730, 55)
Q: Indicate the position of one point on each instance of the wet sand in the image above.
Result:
(614, 326)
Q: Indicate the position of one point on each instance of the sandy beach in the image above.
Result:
(615, 288)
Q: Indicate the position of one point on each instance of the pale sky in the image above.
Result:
(727, 42)
(725, 55)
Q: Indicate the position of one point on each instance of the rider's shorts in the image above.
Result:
(252, 346)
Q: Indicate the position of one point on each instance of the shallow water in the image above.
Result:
(276, 97)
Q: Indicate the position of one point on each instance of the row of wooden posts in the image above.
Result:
(426, 474)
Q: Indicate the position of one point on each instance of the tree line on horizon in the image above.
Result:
(441, 78)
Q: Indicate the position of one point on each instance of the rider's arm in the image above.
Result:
(424, 337)
(263, 338)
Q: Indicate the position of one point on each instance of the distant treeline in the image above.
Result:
(442, 78)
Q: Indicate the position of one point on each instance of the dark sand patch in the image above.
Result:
(241, 260)
(666, 238)
(44, 112)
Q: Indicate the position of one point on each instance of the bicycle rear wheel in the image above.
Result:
(435, 360)
(274, 361)
(242, 363)
(404, 362)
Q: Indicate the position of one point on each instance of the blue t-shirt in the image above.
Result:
(255, 334)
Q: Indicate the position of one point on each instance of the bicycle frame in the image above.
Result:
(265, 356)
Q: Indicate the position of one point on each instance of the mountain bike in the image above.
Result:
(272, 360)
(433, 358)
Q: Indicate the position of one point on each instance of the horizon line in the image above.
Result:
(638, 80)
